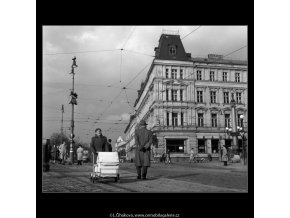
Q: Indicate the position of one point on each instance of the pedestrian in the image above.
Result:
(80, 154)
(162, 157)
(57, 153)
(191, 158)
(168, 159)
(98, 143)
(109, 145)
(209, 157)
(53, 153)
(143, 140)
(62, 153)
(224, 155)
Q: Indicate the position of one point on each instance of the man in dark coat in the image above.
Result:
(98, 143)
(143, 140)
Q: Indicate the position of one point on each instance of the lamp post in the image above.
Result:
(72, 102)
(234, 125)
(240, 131)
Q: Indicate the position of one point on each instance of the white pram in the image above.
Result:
(107, 165)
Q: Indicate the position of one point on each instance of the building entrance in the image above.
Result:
(215, 146)
(228, 143)
(175, 145)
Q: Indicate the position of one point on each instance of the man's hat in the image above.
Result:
(142, 123)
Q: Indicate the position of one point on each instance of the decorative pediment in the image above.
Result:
(201, 109)
(241, 110)
(227, 110)
(214, 109)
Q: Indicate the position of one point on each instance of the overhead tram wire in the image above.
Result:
(101, 114)
(128, 101)
(191, 32)
(235, 51)
(128, 37)
(121, 65)
(122, 54)
(139, 53)
(138, 74)
(79, 52)
(122, 90)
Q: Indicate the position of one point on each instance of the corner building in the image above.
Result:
(186, 101)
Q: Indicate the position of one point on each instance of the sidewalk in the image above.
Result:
(215, 164)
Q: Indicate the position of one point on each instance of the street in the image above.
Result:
(177, 177)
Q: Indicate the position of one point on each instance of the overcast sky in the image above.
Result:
(97, 69)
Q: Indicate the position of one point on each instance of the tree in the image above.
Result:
(56, 138)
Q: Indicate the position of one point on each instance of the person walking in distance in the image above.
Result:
(224, 155)
(168, 159)
(98, 143)
(62, 153)
(80, 154)
(143, 140)
(191, 158)
(53, 153)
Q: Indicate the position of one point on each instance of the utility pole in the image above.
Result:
(61, 130)
(72, 102)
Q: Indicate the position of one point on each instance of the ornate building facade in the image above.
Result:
(186, 101)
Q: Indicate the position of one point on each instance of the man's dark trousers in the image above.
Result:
(144, 171)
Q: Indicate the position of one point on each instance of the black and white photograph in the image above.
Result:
(146, 109)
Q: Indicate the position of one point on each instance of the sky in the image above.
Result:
(103, 69)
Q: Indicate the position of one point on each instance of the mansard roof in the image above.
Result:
(168, 43)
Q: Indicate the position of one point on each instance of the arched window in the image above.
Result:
(172, 50)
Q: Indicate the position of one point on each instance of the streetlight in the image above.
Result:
(72, 102)
(240, 131)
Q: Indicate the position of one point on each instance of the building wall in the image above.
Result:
(153, 106)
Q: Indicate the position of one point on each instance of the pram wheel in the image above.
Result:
(116, 179)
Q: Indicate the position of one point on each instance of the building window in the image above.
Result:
(175, 145)
(227, 120)
(238, 77)
(226, 97)
(225, 76)
(181, 74)
(213, 120)
(181, 95)
(239, 97)
(174, 95)
(167, 95)
(172, 50)
(181, 119)
(199, 97)
(174, 119)
(215, 146)
(198, 75)
(200, 119)
(211, 75)
(166, 73)
(167, 118)
(174, 73)
(212, 97)
(240, 121)
(201, 145)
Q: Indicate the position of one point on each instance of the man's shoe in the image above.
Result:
(138, 177)
(144, 178)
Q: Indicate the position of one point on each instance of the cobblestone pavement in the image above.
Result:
(177, 177)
